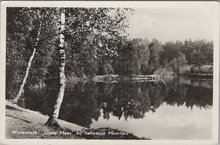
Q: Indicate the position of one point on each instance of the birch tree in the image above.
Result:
(31, 38)
(21, 88)
(99, 30)
(52, 121)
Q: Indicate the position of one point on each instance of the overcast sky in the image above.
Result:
(170, 24)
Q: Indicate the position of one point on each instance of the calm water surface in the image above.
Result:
(179, 109)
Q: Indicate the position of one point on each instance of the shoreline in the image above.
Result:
(27, 124)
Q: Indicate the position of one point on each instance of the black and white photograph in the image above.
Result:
(110, 71)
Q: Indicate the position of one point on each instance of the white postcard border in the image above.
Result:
(215, 118)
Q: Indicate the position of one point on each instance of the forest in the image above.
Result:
(47, 46)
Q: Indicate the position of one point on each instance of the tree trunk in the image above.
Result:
(15, 100)
(52, 121)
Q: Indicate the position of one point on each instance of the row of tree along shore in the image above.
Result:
(193, 71)
(118, 55)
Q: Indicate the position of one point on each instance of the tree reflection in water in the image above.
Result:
(85, 102)
(131, 100)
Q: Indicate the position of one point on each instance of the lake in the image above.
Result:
(178, 108)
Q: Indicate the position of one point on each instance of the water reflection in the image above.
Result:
(86, 103)
(189, 92)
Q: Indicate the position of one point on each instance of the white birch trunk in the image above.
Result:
(18, 95)
(62, 78)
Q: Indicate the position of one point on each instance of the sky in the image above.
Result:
(171, 24)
